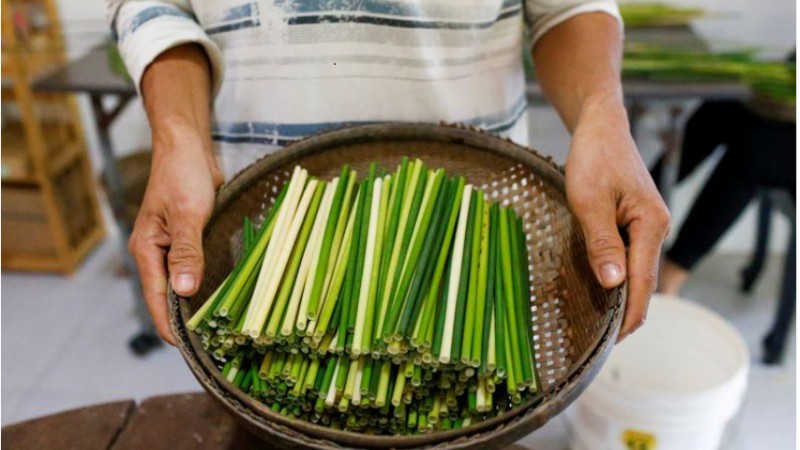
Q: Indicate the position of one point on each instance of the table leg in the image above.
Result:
(147, 338)
(672, 139)
(635, 112)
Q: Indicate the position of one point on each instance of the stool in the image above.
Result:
(775, 341)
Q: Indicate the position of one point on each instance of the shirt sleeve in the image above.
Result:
(543, 15)
(143, 29)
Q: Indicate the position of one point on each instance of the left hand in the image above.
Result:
(608, 187)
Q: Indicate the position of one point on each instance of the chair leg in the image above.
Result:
(775, 341)
(751, 272)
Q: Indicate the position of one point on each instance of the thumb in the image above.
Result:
(185, 257)
(604, 244)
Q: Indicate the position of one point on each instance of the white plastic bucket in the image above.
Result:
(672, 385)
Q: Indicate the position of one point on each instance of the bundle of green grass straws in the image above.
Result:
(656, 14)
(773, 79)
(397, 304)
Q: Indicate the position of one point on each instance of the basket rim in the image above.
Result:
(544, 405)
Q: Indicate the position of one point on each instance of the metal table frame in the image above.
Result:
(92, 75)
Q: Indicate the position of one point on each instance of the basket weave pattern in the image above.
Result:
(575, 321)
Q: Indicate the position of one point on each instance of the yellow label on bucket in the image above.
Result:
(639, 440)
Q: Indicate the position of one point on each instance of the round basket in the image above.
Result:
(575, 320)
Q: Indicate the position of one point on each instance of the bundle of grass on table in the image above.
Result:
(394, 304)
(657, 14)
(667, 62)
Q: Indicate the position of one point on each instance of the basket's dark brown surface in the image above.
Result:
(575, 321)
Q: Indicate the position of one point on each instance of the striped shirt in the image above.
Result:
(285, 69)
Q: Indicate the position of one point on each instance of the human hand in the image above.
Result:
(177, 204)
(608, 187)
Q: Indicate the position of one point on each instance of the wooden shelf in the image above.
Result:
(15, 164)
(68, 154)
(35, 62)
(15, 161)
(33, 263)
(32, 40)
(44, 263)
(17, 181)
(50, 215)
(35, 65)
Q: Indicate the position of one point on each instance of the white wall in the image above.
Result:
(85, 27)
(769, 24)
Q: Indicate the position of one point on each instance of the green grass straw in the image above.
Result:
(474, 276)
(330, 230)
(461, 305)
(294, 263)
(426, 263)
(395, 204)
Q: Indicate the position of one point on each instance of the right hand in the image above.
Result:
(166, 241)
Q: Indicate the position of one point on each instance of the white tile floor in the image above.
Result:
(64, 345)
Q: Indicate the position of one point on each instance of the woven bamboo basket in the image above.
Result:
(575, 320)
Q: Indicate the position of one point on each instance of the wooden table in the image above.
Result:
(170, 422)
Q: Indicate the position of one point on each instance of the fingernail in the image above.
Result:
(611, 273)
(184, 283)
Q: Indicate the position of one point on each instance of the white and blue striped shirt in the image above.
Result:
(285, 69)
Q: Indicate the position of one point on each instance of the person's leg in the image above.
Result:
(723, 198)
(775, 156)
(707, 128)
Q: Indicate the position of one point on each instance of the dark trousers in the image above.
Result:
(759, 153)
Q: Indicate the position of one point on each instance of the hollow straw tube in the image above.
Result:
(369, 257)
(327, 241)
(325, 210)
(258, 308)
(463, 294)
(455, 276)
